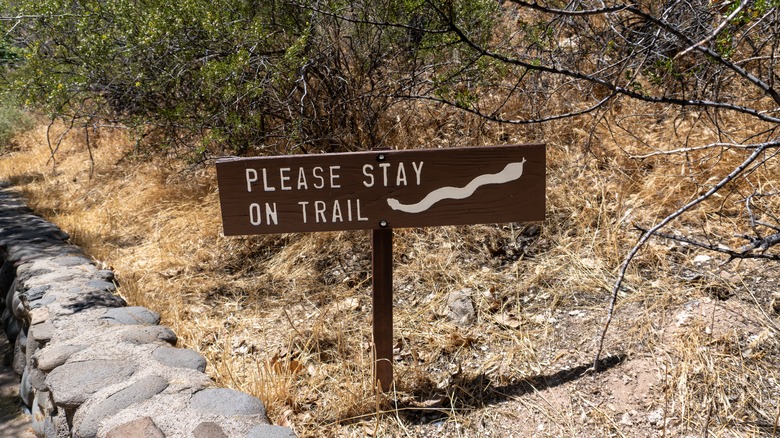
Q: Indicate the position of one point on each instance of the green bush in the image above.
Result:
(237, 76)
(12, 121)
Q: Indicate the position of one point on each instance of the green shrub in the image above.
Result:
(237, 76)
(12, 121)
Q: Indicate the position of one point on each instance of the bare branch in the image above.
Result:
(771, 144)
(745, 252)
(344, 17)
(620, 89)
(718, 30)
(34, 17)
(761, 244)
(494, 118)
(570, 13)
(661, 25)
(648, 234)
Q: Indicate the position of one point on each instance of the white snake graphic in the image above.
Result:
(511, 172)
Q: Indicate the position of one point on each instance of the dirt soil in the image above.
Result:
(14, 419)
(641, 388)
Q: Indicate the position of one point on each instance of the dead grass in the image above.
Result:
(287, 317)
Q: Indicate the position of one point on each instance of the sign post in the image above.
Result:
(382, 309)
(381, 190)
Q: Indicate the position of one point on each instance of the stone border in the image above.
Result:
(91, 366)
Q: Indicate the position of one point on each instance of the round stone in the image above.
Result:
(180, 358)
(131, 315)
(227, 402)
(87, 422)
(72, 383)
(149, 334)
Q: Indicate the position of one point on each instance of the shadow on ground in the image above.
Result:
(477, 392)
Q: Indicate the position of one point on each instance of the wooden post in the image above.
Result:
(382, 281)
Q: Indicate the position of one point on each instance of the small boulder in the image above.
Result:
(180, 358)
(142, 427)
(131, 315)
(72, 383)
(227, 402)
(209, 430)
(460, 309)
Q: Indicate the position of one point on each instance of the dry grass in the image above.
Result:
(288, 317)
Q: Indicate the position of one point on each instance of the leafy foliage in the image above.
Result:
(249, 77)
(12, 121)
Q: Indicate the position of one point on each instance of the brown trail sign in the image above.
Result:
(381, 190)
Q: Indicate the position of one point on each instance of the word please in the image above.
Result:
(328, 177)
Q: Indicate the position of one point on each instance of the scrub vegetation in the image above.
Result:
(660, 120)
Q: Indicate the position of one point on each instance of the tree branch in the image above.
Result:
(648, 234)
(718, 30)
(612, 86)
(493, 118)
(35, 17)
(744, 252)
(771, 144)
(668, 28)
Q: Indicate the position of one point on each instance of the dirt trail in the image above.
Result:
(14, 421)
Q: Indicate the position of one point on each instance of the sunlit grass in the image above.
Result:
(287, 317)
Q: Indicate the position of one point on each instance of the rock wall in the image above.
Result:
(91, 366)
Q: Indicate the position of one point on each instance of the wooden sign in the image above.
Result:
(382, 189)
